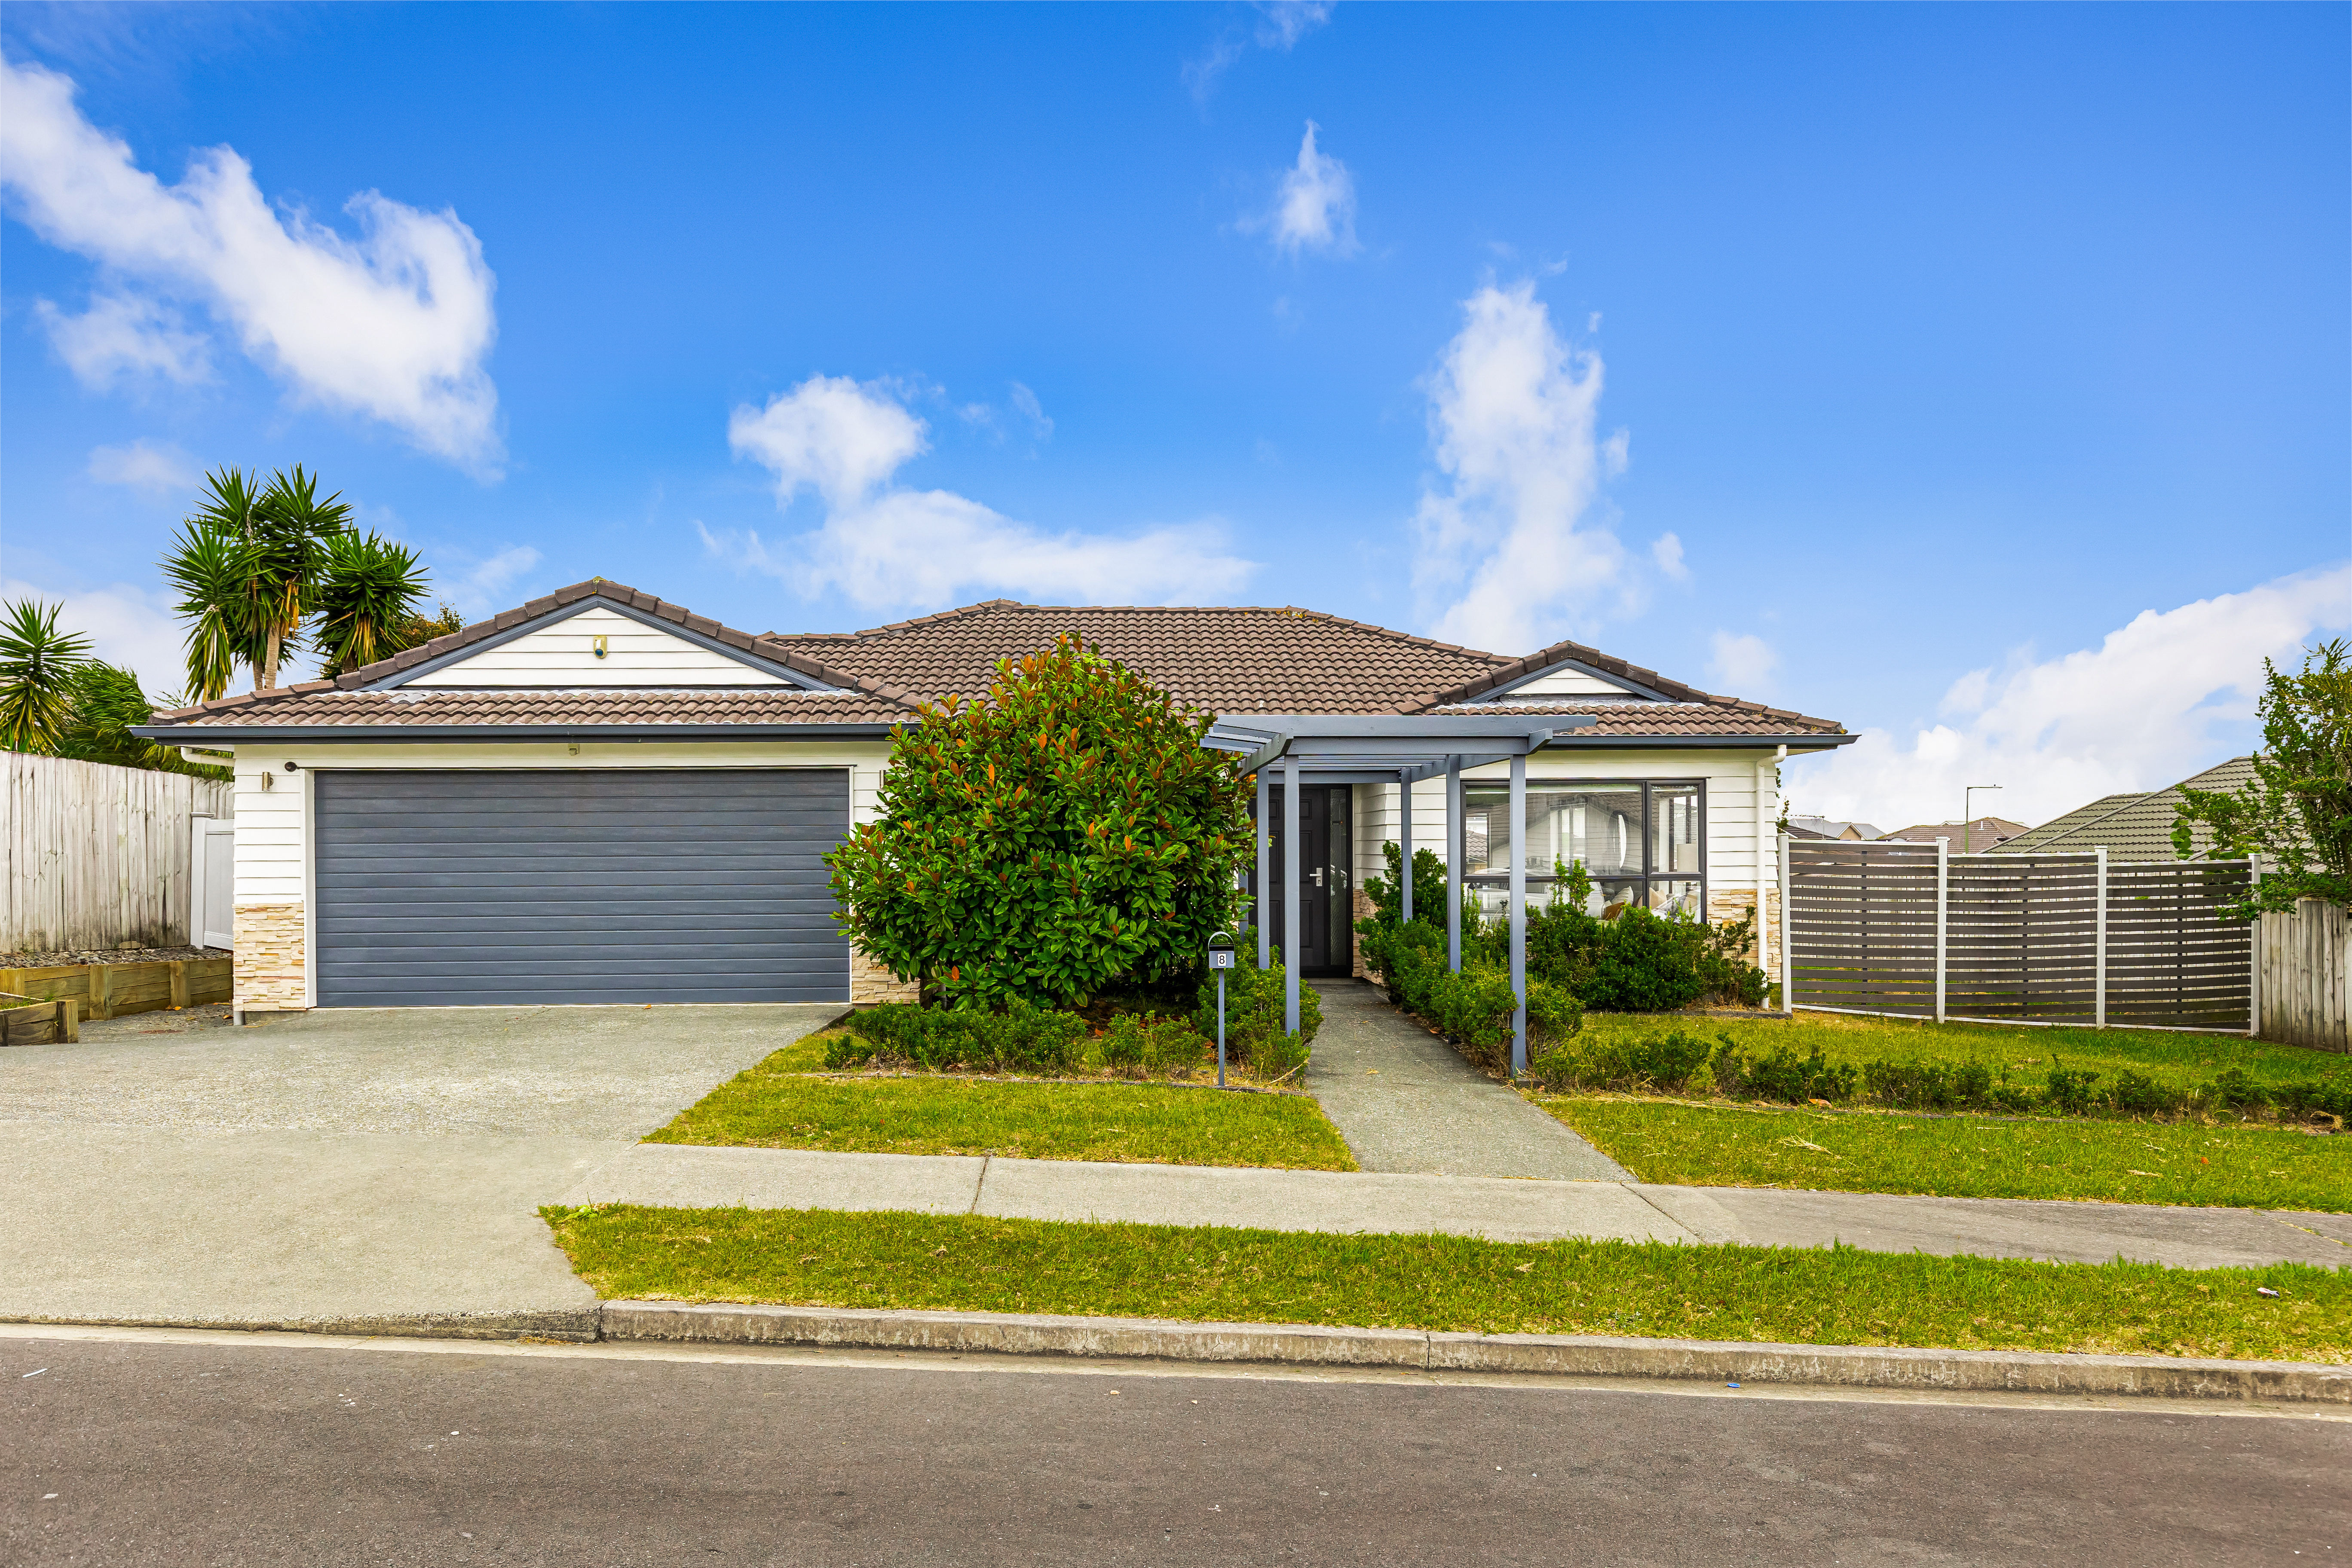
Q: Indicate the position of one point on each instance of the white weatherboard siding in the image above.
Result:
(564, 654)
(1562, 683)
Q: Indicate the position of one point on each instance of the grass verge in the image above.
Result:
(2176, 1060)
(776, 1105)
(1681, 1143)
(1807, 1296)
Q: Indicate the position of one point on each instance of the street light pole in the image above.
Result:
(1967, 832)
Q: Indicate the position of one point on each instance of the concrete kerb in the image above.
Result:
(1577, 1355)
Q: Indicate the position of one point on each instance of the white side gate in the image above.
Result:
(212, 882)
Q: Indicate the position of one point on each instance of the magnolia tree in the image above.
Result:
(1063, 834)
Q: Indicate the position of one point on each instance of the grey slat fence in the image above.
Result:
(1914, 930)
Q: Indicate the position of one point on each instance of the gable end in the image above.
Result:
(642, 650)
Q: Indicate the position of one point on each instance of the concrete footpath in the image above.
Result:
(678, 1175)
(1407, 1102)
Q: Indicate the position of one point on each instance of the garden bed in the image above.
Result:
(113, 990)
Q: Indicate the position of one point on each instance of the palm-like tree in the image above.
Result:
(365, 600)
(253, 566)
(37, 665)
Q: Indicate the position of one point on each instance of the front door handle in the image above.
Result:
(1319, 876)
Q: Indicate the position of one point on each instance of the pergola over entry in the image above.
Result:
(1401, 749)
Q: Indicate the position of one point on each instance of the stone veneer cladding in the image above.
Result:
(269, 958)
(870, 982)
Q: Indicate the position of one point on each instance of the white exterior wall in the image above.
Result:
(564, 654)
(274, 823)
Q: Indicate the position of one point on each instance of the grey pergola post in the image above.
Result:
(1290, 897)
(1404, 836)
(1520, 912)
(1453, 838)
(1265, 933)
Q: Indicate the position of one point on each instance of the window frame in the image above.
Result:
(1650, 875)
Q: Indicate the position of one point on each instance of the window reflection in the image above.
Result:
(1640, 842)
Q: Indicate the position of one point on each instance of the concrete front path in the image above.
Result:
(1499, 1208)
(1406, 1101)
(341, 1166)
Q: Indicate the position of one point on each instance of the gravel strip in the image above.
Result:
(107, 955)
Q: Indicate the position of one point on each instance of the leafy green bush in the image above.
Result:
(1783, 1076)
(1662, 1064)
(1063, 834)
(1474, 1007)
(1022, 1040)
(1140, 1043)
(1254, 1009)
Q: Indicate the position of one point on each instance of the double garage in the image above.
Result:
(499, 886)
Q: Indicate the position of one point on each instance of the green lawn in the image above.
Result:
(1965, 1156)
(2177, 1061)
(778, 1105)
(1801, 1295)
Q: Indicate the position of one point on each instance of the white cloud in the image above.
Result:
(1315, 205)
(127, 625)
(1744, 662)
(1025, 403)
(480, 589)
(828, 433)
(394, 326)
(144, 466)
(126, 338)
(883, 545)
(2156, 700)
(1667, 549)
(1281, 24)
(1505, 542)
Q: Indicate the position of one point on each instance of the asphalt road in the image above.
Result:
(221, 1450)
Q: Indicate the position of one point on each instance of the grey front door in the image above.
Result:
(1326, 929)
(452, 887)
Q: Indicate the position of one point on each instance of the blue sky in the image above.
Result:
(1973, 375)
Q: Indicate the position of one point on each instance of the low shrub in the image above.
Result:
(1140, 1043)
(1254, 1008)
(1474, 1007)
(1783, 1075)
(1020, 1040)
(1661, 1064)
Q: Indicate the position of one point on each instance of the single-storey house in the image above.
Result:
(2132, 826)
(601, 797)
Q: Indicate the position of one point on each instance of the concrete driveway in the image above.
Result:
(337, 1166)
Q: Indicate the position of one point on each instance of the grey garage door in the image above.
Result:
(447, 887)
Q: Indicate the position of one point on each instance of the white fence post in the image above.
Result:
(1943, 906)
(2099, 966)
(2255, 971)
(1788, 968)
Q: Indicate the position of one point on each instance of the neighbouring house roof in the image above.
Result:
(1981, 833)
(1237, 661)
(1830, 828)
(2130, 826)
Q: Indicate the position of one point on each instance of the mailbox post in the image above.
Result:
(1220, 958)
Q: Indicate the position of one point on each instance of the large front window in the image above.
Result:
(1642, 842)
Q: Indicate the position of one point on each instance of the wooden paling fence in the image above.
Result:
(2305, 956)
(1916, 931)
(93, 855)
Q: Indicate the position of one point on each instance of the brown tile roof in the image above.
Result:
(1713, 716)
(1225, 659)
(317, 704)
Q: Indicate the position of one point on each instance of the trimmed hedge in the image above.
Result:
(1254, 1009)
(1668, 1063)
(1472, 1009)
(1023, 1040)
